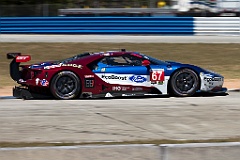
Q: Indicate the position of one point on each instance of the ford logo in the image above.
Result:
(138, 79)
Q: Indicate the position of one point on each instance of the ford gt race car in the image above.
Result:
(109, 74)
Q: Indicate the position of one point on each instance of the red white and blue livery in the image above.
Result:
(110, 74)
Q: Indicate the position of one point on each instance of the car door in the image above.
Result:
(125, 70)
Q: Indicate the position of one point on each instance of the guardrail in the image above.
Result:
(98, 25)
(121, 25)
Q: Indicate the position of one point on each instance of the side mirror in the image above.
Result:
(146, 63)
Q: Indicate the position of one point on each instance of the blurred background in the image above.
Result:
(23, 8)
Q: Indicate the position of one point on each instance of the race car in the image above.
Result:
(110, 74)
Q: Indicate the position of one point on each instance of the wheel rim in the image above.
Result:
(185, 82)
(66, 86)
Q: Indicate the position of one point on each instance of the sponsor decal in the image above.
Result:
(44, 82)
(137, 89)
(23, 58)
(208, 75)
(157, 75)
(138, 79)
(123, 78)
(52, 66)
(119, 88)
(63, 65)
(72, 65)
(116, 88)
(213, 79)
(160, 83)
(37, 80)
(125, 88)
(88, 76)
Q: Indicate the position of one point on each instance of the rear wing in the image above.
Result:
(13, 55)
(19, 57)
(14, 65)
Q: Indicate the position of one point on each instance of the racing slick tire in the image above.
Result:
(65, 85)
(184, 82)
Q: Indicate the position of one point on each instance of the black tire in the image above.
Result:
(184, 83)
(65, 85)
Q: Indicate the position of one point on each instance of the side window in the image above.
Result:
(125, 60)
(115, 61)
(133, 60)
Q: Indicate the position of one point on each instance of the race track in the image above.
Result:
(121, 119)
(207, 117)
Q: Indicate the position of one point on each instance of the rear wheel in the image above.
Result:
(184, 82)
(65, 85)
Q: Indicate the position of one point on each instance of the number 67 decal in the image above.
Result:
(157, 75)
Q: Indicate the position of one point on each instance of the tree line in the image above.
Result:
(79, 2)
(20, 2)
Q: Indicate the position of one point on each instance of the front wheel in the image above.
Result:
(184, 82)
(65, 85)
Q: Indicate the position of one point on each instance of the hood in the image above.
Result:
(174, 63)
(196, 68)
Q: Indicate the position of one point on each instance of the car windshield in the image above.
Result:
(153, 60)
(79, 56)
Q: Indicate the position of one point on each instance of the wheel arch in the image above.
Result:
(169, 84)
(63, 71)
(69, 70)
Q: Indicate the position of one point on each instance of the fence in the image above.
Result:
(121, 25)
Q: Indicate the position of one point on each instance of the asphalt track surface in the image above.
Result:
(119, 38)
(120, 119)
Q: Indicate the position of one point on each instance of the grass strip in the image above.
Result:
(155, 142)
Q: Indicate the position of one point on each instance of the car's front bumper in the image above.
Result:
(212, 83)
(222, 90)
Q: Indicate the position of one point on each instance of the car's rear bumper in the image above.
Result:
(22, 93)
